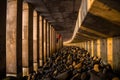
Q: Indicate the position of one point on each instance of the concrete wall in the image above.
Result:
(108, 49)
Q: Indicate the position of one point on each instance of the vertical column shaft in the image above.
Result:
(110, 51)
(35, 63)
(57, 41)
(41, 41)
(95, 47)
(27, 38)
(14, 38)
(103, 48)
(45, 41)
(30, 38)
(61, 42)
(54, 42)
(92, 48)
(48, 40)
(98, 48)
(116, 56)
(25, 55)
(38, 38)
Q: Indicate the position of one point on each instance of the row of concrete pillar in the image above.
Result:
(107, 49)
(27, 39)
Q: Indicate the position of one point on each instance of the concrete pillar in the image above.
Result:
(116, 52)
(25, 55)
(14, 38)
(92, 48)
(30, 38)
(103, 48)
(38, 38)
(35, 61)
(57, 41)
(41, 41)
(48, 40)
(95, 47)
(61, 42)
(54, 40)
(110, 51)
(85, 45)
(98, 48)
(3, 5)
(89, 47)
(27, 39)
(52, 45)
(45, 40)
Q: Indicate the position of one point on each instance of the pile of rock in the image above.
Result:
(73, 63)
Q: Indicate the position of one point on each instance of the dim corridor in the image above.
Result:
(72, 63)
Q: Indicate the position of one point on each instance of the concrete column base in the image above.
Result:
(41, 62)
(25, 71)
(35, 65)
(11, 74)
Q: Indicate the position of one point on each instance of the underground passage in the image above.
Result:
(59, 40)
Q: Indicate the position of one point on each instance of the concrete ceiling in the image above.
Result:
(62, 14)
(102, 21)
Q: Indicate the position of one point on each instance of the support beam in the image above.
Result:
(27, 39)
(35, 61)
(38, 38)
(103, 48)
(93, 31)
(14, 38)
(54, 40)
(89, 46)
(25, 55)
(57, 41)
(116, 52)
(110, 51)
(45, 40)
(98, 48)
(95, 47)
(48, 40)
(92, 48)
(41, 41)
(61, 42)
(30, 38)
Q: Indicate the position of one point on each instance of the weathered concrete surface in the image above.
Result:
(48, 40)
(30, 38)
(102, 20)
(116, 54)
(62, 14)
(45, 40)
(41, 41)
(35, 60)
(27, 39)
(25, 54)
(14, 39)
